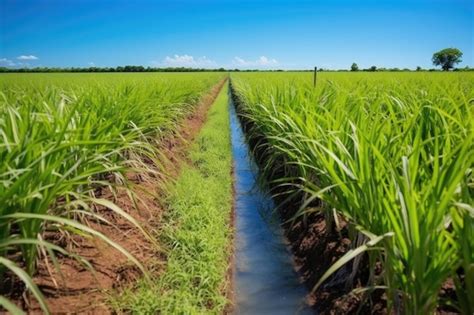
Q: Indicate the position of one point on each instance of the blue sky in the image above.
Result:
(234, 34)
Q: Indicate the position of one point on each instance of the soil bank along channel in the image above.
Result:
(265, 281)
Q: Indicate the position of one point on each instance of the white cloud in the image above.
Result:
(27, 57)
(186, 61)
(239, 61)
(91, 64)
(6, 62)
(262, 62)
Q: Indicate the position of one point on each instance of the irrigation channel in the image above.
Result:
(265, 281)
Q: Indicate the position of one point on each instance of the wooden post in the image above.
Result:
(314, 79)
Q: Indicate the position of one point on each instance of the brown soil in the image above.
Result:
(80, 290)
(316, 248)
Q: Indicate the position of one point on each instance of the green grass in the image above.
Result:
(392, 153)
(62, 136)
(196, 230)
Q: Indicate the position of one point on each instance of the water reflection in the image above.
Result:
(265, 280)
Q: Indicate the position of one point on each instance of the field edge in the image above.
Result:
(196, 230)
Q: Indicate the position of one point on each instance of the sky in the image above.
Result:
(233, 34)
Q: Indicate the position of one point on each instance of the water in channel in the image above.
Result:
(265, 281)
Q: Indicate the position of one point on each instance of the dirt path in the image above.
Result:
(82, 291)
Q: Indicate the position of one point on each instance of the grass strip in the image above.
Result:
(196, 229)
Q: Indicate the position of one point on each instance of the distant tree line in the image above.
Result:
(355, 68)
(127, 69)
(109, 69)
(446, 58)
(183, 69)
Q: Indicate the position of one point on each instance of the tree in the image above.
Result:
(418, 68)
(447, 58)
(373, 68)
(354, 67)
